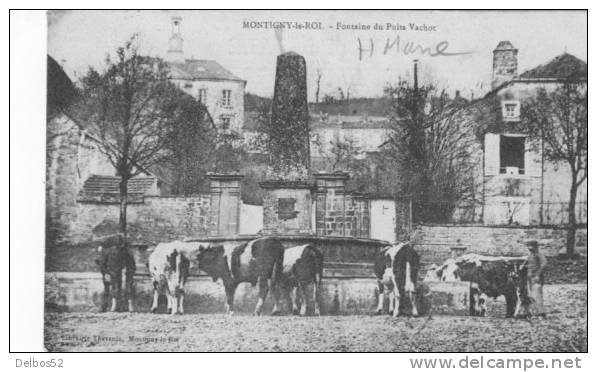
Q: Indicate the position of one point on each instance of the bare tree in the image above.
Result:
(130, 107)
(560, 119)
(429, 144)
(342, 153)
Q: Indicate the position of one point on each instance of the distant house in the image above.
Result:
(219, 90)
(365, 133)
(518, 185)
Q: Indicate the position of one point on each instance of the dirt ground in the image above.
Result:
(565, 330)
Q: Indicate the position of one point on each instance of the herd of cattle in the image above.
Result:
(295, 274)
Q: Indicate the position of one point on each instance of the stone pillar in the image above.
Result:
(287, 207)
(289, 131)
(320, 200)
(225, 204)
(361, 215)
(333, 218)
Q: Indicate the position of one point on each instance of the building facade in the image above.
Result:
(518, 184)
(219, 90)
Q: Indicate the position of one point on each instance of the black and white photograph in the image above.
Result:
(316, 181)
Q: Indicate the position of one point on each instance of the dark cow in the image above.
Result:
(259, 262)
(489, 276)
(114, 258)
(169, 266)
(396, 268)
(303, 267)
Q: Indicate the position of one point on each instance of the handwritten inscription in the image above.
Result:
(396, 45)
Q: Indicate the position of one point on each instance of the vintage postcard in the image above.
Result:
(316, 181)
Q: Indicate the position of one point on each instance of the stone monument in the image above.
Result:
(288, 204)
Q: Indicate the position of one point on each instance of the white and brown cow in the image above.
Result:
(491, 276)
(303, 268)
(396, 268)
(169, 266)
(259, 262)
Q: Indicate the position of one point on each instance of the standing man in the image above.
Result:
(536, 264)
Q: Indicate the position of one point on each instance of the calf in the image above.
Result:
(114, 258)
(489, 276)
(303, 266)
(396, 268)
(169, 266)
(259, 262)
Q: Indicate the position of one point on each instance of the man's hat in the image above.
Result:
(531, 244)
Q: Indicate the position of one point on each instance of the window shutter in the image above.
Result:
(492, 154)
(532, 157)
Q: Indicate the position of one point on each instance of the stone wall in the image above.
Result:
(287, 207)
(339, 213)
(435, 241)
(71, 156)
(67, 291)
(157, 219)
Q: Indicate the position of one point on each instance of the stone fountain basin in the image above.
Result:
(348, 287)
(343, 256)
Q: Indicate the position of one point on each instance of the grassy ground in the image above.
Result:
(565, 330)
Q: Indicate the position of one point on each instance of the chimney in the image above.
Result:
(175, 53)
(505, 63)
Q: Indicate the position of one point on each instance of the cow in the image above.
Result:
(303, 266)
(259, 262)
(169, 266)
(490, 276)
(114, 258)
(396, 268)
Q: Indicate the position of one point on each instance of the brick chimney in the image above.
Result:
(505, 63)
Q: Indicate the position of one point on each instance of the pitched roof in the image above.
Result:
(60, 91)
(106, 188)
(564, 66)
(347, 122)
(196, 69)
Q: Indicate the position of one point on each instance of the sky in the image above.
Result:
(245, 43)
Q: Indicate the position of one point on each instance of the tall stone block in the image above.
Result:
(287, 207)
(289, 129)
(225, 204)
(361, 218)
(332, 219)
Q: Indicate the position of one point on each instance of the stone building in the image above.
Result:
(366, 133)
(218, 89)
(517, 183)
(76, 170)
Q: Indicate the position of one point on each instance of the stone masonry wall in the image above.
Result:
(339, 213)
(433, 242)
(346, 215)
(297, 223)
(157, 219)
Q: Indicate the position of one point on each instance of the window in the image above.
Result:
(202, 97)
(226, 97)
(225, 122)
(511, 110)
(188, 85)
(512, 155)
